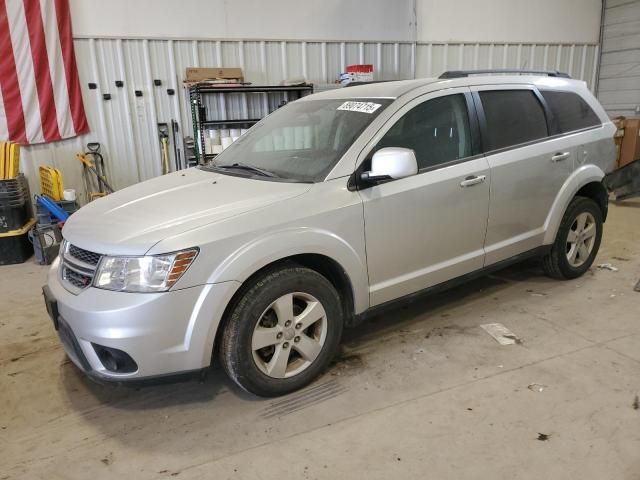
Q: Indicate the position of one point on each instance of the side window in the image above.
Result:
(513, 117)
(436, 130)
(570, 110)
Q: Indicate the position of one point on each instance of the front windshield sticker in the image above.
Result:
(363, 107)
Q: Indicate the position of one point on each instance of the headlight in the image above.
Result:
(150, 273)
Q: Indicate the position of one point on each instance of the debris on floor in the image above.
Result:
(543, 437)
(636, 403)
(637, 287)
(536, 294)
(621, 259)
(502, 334)
(536, 387)
(346, 364)
(607, 266)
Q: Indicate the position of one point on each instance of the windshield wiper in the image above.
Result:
(249, 168)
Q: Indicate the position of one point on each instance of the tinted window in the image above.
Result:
(513, 117)
(436, 130)
(570, 110)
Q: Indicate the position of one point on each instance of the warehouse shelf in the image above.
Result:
(242, 121)
(273, 97)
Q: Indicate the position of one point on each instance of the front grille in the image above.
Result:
(78, 267)
(84, 255)
(76, 279)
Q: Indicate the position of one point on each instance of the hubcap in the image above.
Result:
(289, 335)
(581, 238)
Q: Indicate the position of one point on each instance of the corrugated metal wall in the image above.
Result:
(619, 85)
(126, 124)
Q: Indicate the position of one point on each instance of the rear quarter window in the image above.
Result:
(513, 117)
(570, 110)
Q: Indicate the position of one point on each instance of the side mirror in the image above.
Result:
(392, 162)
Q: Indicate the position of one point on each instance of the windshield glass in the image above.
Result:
(301, 141)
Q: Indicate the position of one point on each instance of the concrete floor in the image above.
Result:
(420, 392)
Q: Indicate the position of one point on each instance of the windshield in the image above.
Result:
(301, 141)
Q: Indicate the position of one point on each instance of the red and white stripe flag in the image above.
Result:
(40, 98)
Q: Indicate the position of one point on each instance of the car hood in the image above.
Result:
(132, 220)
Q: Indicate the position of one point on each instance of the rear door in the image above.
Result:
(528, 167)
(576, 120)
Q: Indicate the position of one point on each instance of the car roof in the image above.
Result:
(392, 89)
(395, 89)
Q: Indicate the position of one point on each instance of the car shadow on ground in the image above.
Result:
(128, 414)
(157, 393)
(172, 391)
(435, 305)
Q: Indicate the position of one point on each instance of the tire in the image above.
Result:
(260, 318)
(557, 263)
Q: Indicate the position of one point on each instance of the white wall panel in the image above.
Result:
(508, 21)
(316, 19)
(619, 83)
(579, 60)
(126, 125)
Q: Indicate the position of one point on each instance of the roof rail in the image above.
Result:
(358, 83)
(466, 73)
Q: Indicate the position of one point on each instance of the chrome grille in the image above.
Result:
(78, 267)
(76, 279)
(84, 255)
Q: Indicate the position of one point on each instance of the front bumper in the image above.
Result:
(164, 333)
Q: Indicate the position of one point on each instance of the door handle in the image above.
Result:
(473, 180)
(558, 157)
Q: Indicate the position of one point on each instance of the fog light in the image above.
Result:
(115, 360)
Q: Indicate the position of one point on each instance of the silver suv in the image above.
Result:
(334, 205)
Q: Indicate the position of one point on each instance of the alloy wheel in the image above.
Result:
(581, 239)
(289, 335)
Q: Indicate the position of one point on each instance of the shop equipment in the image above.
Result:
(52, 207)
(93, 163)
(15, 203)
(46, 241)
(51, 183)
(177, 157)
(9, 160)
(44, 217)
(163, 134)
(15, 246)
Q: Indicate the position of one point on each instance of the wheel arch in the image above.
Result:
(322, 264)
(585, 181)
(329, 254)
(321, 251)
(597, 192)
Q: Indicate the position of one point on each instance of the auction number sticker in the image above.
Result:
(362, 107)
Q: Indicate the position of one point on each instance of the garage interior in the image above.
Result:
(417, 391)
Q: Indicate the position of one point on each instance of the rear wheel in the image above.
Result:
(577, 241)
(283, 332)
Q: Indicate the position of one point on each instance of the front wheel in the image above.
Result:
(283, 332)
(577, 241)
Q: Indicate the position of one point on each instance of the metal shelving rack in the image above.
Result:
(197, 93)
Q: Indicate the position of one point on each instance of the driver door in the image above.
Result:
(428, 228)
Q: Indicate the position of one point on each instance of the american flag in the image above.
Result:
(40, 97)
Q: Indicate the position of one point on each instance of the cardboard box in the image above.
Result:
(618, 136)
(194, 74)
(630, 146)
